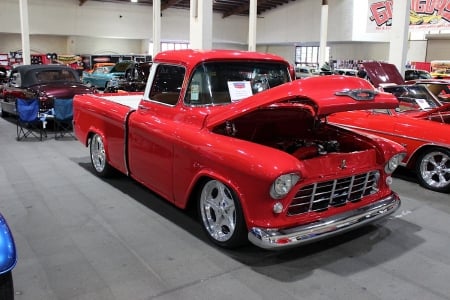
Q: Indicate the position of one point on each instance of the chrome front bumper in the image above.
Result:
(274, 239)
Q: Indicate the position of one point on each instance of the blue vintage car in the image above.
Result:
(8, 260)
(99, 77)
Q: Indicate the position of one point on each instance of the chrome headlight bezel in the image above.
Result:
(394, 162)
(283, 184)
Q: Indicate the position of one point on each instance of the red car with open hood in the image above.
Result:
(421, 123)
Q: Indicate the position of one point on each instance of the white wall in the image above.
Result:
(292, 22)
(97, 27)
(62, 26)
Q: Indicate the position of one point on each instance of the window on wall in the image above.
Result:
(169, 46)
(309, 55)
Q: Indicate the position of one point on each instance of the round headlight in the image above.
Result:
(394, 162)
(282, 185)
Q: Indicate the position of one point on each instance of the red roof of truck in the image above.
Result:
(191, 57)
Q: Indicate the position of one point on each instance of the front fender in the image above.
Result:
(8, 258)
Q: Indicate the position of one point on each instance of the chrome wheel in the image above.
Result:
(218, 211)
(98, 156)
(434, 170)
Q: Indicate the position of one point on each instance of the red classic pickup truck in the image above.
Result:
(230, 132)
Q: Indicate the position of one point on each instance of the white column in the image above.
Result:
(252, 25)
(200, 30)
(323, 33)
(398, 46)
(24, 27)
(156, 27)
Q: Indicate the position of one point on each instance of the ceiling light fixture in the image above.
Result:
(134, 1)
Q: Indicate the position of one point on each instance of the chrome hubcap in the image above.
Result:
(98, 155)
(435, 169)
(218, 210)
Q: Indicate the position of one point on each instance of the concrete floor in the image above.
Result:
(82, 237)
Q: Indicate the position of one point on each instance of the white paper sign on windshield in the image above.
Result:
(239, 90)
(423, 103)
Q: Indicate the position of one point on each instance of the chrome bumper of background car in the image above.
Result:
(284, 238)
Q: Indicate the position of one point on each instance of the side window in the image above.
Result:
(167, 84)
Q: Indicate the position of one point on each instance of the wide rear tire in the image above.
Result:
(98, 157)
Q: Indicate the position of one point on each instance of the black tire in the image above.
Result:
(433, 169)
(98, 157)
(6, 286)
(4, 113)
(221, 215)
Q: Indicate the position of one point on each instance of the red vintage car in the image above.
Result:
(44, 82)
(421, 123)
(228, 132)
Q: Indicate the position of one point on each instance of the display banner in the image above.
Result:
(424, 15)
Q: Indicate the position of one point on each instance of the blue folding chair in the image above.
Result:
(28, 120)
(62, 117)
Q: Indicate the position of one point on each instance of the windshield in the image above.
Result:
(121, 66)
(413, 98)
(46, 76)
(225, 82)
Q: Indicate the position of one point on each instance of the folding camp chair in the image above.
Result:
(28, 121)
(62, 117)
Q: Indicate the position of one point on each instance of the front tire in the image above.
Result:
(6, 286)
(4, 113)
(433, 170)
(98, 157)
(221, 215)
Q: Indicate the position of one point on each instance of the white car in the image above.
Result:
(304, 71)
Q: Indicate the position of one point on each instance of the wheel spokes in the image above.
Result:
(218, 210)
(435, 170)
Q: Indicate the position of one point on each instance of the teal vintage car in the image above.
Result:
(101, 76)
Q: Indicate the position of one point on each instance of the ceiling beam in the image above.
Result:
(237, 10)
(82, 2)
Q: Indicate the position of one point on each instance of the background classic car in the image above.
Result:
(206, 132)
(135, 79)
(420, 123)
(100, 76)
(44, 82)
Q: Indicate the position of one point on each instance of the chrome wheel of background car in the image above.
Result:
(221, 214)
(433, 169)
(98, 156)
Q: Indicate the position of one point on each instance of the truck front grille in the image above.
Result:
(322, 195)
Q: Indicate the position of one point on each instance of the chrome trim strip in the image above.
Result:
(125, 144)
(274, 239)
(379, 132)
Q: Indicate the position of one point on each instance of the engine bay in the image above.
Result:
(295, 132)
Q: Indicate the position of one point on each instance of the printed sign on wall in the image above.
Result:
(423, 15)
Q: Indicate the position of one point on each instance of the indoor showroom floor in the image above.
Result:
(81, 237)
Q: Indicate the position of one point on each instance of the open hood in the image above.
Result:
(380, 73)
(321, 95)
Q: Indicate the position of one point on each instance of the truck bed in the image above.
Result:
(131, 101)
